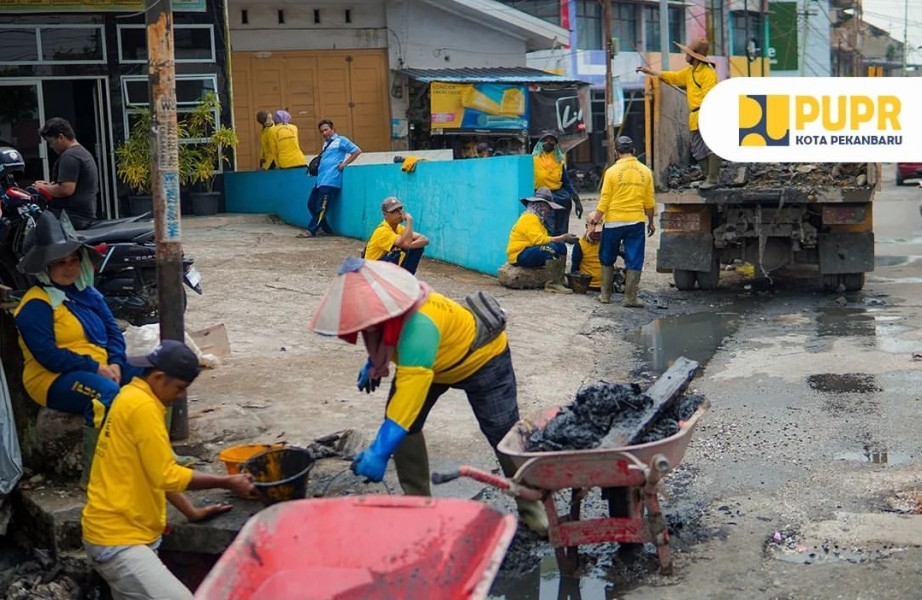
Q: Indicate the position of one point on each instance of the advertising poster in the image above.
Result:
(478, 107)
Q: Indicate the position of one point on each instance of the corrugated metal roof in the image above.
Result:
(488, 74)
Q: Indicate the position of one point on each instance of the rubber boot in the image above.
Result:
(713, 172)
(631, 285)
(90, 436)
(608, 282)
(531, 512)
(412, 462)
(181, 459)
(557, 283)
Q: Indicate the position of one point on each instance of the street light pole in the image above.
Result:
(609, 85)
(905, 33)
(164, 154)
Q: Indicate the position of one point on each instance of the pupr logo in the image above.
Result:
(813, 119)
(764, 120)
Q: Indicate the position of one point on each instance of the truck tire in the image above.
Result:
(853, 282)
(707, 280)
(684, 280)
(830, 283)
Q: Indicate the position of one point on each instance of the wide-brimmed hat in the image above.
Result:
(50, 241)
(542, 194)
(364, 293)
(698, 49)
(548, 133)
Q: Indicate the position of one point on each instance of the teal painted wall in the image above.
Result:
(465, 207)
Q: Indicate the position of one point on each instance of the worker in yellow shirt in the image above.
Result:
(284, 147)
(698, 78)
(393, 242)
(436, 344)
(134, 474)
(626, 198)
(585, 257)
(551, 172)
(531, 246)
(266, 159)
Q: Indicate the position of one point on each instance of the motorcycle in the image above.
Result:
(587, 180)
(126, 275)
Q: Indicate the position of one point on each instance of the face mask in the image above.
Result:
(548, 146)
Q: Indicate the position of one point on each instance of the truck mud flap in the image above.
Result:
(846, 252)
(685, 251)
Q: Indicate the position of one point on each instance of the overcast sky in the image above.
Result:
(888, 14)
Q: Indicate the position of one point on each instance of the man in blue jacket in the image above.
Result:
(337, 153)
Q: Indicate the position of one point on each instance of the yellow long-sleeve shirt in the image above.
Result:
(132, 470)
(285, 148)
(432, 342)
(548, 171)
(697, 81)
(266, 156)
(627, 191)
(589, 263)
(527, 231)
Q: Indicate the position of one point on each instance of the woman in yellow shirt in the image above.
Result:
(551, 172)
(266, 159)
(284, 147)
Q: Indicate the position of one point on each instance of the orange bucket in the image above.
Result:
(234, 456)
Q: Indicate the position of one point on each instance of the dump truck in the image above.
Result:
(770, 215)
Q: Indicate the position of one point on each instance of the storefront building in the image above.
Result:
(87, 62)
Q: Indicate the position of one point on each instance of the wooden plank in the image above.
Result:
(663, 392)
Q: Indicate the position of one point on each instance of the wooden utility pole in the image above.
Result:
(165, 189)
(609, 85)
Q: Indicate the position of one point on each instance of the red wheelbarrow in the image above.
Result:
(628, 475)
(363, 547)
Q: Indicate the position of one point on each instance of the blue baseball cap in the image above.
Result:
(173, 358)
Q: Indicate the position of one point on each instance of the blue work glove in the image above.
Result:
(365, 381)
(372, 462)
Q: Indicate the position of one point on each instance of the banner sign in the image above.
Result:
(813, 119)
(26, 6)
(478, 106)
(783, 30)
(566, 112)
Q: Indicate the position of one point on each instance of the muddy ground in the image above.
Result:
(798, 483)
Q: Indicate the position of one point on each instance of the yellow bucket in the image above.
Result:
(234, 456)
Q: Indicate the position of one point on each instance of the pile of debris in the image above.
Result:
(599, 408)
(774, 175)
(41, 577)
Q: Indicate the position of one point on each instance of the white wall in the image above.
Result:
(425, 37)
(299, 32)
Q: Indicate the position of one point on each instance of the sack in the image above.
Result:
(313, 167)
(489, 317)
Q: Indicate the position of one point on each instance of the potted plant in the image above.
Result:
(206, 151)
(133, 163)
(202, 147)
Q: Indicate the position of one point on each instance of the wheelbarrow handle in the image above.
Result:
(445, 477)
(508, 487)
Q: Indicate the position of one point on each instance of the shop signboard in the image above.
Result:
(478, 107)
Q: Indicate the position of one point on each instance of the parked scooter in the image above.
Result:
(127, 274)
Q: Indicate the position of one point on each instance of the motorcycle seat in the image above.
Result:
(120, 232)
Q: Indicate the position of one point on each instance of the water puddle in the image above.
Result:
(695, 336)
(893, 261)
(546, 583)
(847, 383)
(875, 457)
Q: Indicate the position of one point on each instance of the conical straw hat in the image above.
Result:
(363, 293)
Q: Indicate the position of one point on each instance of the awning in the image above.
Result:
(488, 75)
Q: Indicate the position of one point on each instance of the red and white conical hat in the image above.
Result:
(363, 293)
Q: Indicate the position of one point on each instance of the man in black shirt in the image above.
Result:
(74, 178)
